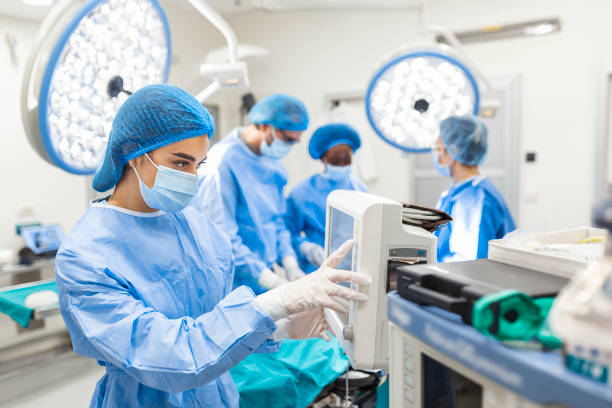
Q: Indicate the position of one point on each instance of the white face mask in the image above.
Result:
(337, 173)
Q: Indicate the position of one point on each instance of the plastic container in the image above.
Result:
(559, 253)
(582, 317)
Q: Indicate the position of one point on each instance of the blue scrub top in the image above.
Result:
(479, 213)
(242, 193)
(149, 295)
(306, 206)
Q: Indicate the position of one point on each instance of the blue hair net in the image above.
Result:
(153, 117)
(465, 138)
(328, 136)
(281, 111)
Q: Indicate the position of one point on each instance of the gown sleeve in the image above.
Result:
(171, 355)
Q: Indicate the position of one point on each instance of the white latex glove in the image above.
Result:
(270, 280)
(304, 325)
(313, 252)
(292, 269)
(316, 290)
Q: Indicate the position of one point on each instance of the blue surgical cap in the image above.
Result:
(328, 136)
(153, 117)
(281, 111)
(465, 138)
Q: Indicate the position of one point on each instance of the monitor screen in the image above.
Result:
(446, 388)
(42, 238)
(341, 226)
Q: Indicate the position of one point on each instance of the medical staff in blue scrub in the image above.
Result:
(334, 145)
(478, 209)
(242, 191)
(145, 284)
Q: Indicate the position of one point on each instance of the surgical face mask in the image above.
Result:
(440, 168)
(277, 150)
(173, 190)
(337, 173)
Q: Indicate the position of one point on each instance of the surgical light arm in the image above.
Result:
(452, 39)
(229, 75)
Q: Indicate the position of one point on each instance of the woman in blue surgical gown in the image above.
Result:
(479, 211)
(334, 144)
(145, 284)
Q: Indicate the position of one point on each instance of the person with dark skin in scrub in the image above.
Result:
(334, 144)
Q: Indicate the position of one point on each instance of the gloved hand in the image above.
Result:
(313, 252)
(270, 280)
(316, 290)
(304, 325)
(292, 268)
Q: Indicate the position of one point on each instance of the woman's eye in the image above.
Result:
(181, 164)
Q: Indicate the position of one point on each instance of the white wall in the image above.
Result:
(318, 53)
(29, 183)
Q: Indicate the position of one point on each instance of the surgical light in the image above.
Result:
(90, 56)
(414, 91)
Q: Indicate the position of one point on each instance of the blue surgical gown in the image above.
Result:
(149, 295)
(306, 206)
(479, 213)
(242, 193)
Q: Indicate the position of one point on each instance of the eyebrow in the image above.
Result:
(184, 156)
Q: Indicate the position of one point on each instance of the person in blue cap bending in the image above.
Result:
(145, 284)
(334, 144)
(478, 209)
(241, 190)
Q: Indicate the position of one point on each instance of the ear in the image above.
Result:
(135, 161)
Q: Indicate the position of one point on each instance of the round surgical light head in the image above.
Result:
(413, 92)
(90, 56)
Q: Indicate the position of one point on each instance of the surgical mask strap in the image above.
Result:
(152, 162)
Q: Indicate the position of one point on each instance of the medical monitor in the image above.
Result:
(380, 237)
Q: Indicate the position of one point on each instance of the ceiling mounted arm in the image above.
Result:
(229, 75)
(220, 24)
(451, 39)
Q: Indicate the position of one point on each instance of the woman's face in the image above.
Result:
(339, 155)
(185, 155)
